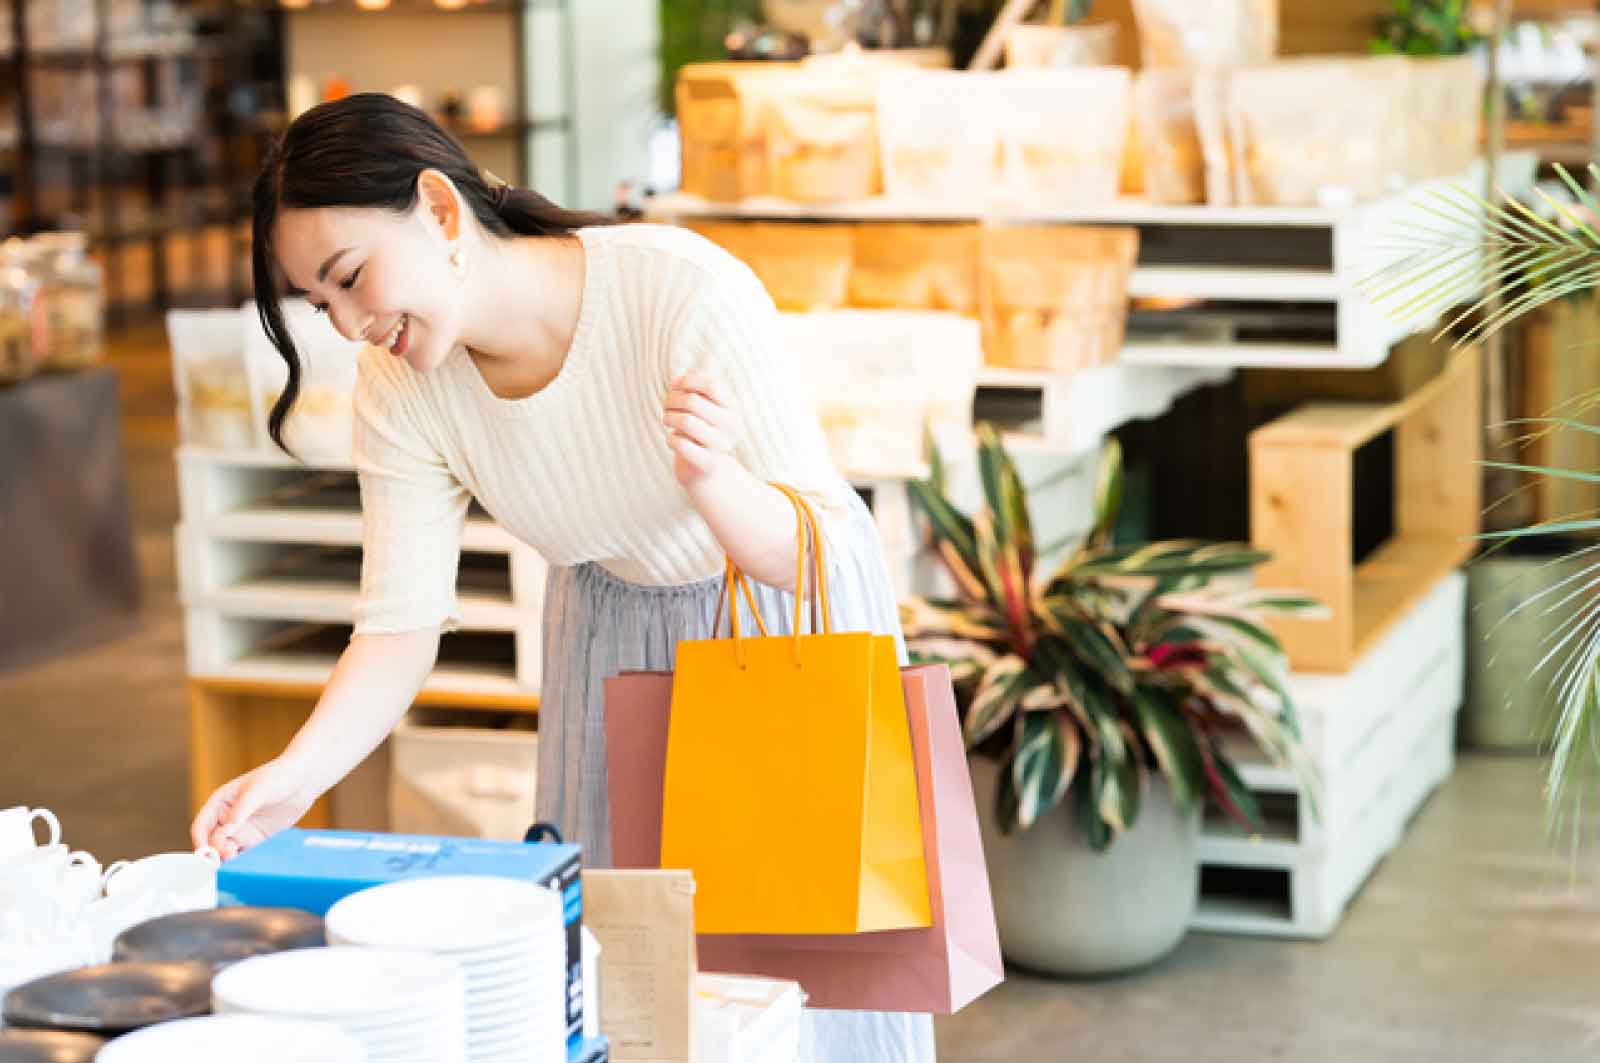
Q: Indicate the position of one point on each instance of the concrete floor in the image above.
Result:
(1471, 942)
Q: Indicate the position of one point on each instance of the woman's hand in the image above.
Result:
(702, 428)
(253, 807)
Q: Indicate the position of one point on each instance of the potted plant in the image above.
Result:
(1094, 699)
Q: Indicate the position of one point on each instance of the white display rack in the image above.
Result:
(1382, 737)
(269, 575)
(1337, 249)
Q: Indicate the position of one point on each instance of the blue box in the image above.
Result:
(315, 869)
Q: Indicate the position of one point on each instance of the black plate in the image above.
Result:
(48, 1046)
(112, 998)
(220, 936)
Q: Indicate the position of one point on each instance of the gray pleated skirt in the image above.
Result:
(596, 625)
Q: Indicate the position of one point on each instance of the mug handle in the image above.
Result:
(80, 858)
(105, 879)
(48, 818)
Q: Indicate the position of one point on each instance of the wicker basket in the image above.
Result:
(1054, 297)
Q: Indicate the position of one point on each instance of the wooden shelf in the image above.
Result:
(1301, 510)
(409, 7)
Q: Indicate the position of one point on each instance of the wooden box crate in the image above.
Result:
(1302, 509)
(236, 725)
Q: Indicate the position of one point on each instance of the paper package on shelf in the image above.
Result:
(321, 428)
(211, 379)
(937, 136)
(722, 127)
(1174, 166)
(1206, 34)
(1062, 133)
(803, 266)
(912, 266)
(740, 1019)
(879, 379)
(1320, 131)
(1054, 297)
(822, 135)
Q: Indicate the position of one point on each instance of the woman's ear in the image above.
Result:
(438, 199)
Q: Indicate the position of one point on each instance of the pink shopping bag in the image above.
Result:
(938, 969)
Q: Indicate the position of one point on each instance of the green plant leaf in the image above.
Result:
(1108, 488)
(1173, 558)
(1172, 741)
(1005, 797)
(923, 617)
(1003, 684)
(1008, 499)
(1096, 831)
(953, 534)
(1228, 790)
(1096, 645)
(1046, 761)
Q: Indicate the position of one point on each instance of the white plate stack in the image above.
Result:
(236, 1038)
(509, 938)
(404, 1007)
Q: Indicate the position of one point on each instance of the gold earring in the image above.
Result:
(458, 262)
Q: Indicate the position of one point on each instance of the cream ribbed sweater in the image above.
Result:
(580, 471)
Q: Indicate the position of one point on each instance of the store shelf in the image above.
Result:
(679, 206)
(1200, 283)
(407, 7)
(316, 602)
(314, 671)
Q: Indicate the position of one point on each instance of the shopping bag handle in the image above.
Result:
(809, 545)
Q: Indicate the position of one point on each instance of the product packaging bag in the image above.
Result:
(804, 267)
(1054, 297)
(915, 266)
(790, 788)
(644, 922)
(940, 969)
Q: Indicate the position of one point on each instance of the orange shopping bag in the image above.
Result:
(791, 790)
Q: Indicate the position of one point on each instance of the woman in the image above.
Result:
(616, 396)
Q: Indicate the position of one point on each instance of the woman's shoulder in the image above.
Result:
(663, 253)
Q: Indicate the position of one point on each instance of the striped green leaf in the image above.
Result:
(1046, 761)
(1171, 739)
(1003, 684)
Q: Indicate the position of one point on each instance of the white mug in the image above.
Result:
(187, 880)
(16, 830)
(44, 871)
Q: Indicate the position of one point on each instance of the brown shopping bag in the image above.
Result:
(939, 969)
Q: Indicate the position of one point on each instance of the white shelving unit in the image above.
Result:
(269, 574)
(1382, 737)
(1324, 255)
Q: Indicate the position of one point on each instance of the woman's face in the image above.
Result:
(382, 278)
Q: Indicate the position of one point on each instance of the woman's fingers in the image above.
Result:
(700, 431)
(697, 456)
(211, 814)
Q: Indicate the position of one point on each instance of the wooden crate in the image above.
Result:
(1559, 368)
(236, 725)
(1302, 509)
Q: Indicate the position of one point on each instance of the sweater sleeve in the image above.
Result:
(731, 330)
(412, 512)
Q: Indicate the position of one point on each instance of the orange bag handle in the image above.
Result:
(808, 539)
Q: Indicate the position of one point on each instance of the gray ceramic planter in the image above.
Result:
(1064, 909)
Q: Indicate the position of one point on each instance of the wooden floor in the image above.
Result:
(1470, 943)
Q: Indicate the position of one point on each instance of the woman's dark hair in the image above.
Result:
(367, 150)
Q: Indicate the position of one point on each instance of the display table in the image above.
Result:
(68, 576)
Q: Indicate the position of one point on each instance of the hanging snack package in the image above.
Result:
(937, 135)
(1054, 297)
(822, 135)
(1310, 132)
(1063, 133)
(1206, 34)
(1164, 108)
(722, 128)
(804, 267)
(911, 266)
